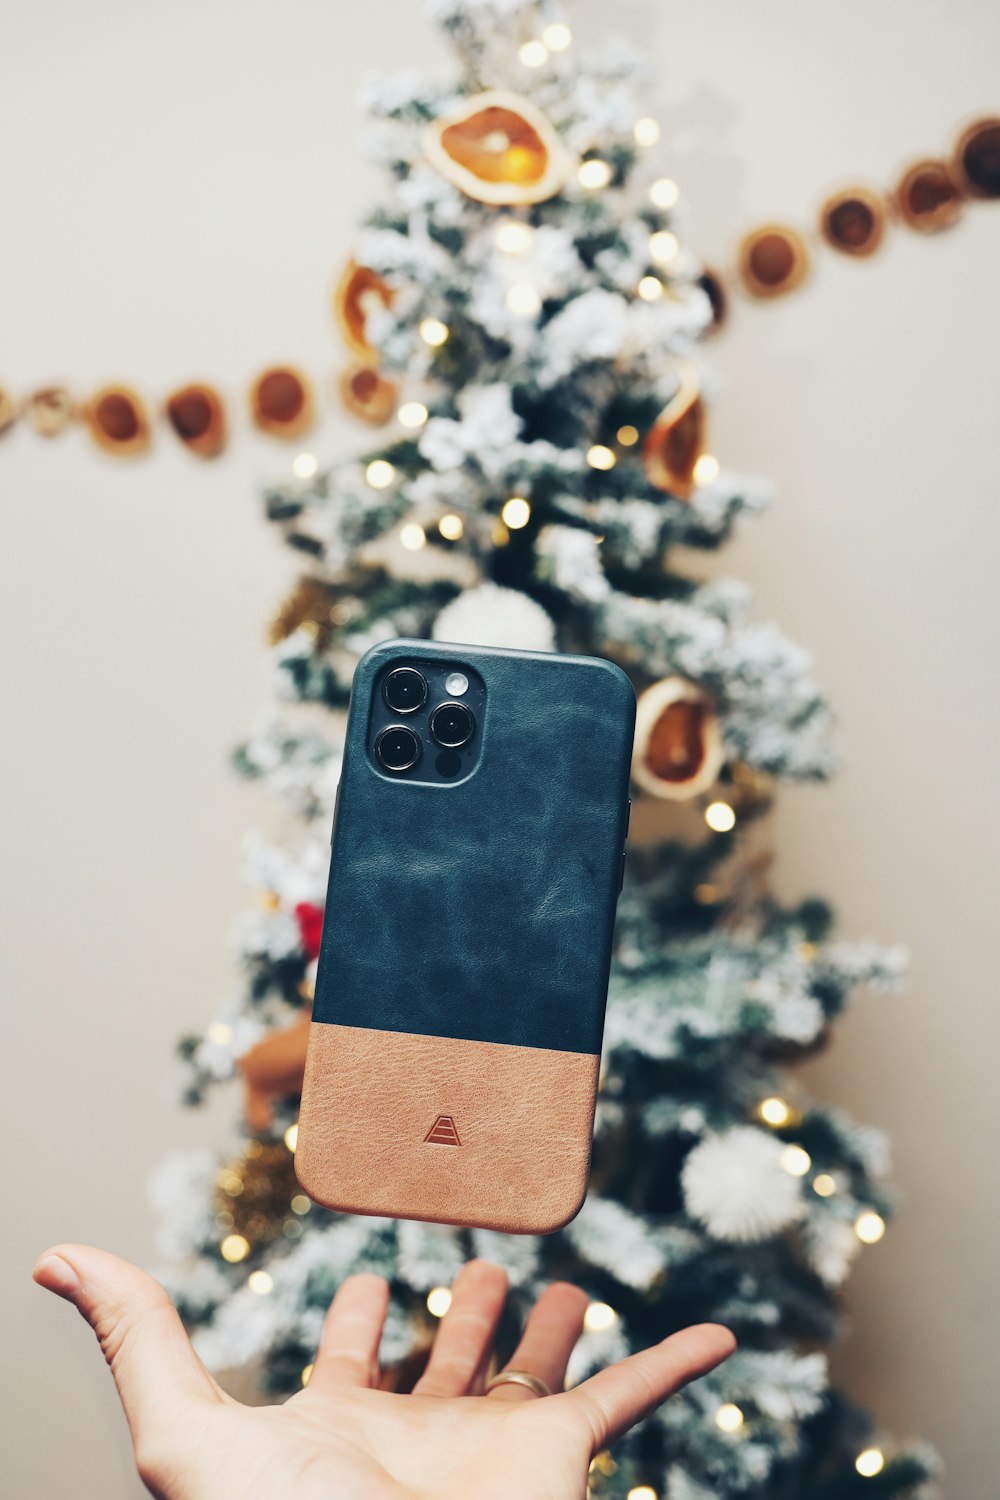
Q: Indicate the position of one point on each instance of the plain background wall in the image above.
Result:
(184, 186)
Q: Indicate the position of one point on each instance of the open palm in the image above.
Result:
(342, 1438)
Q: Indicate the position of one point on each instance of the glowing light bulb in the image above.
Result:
(628, 435)
(869, 1227)
(434, 332)
(523, 300)
(720, 817)
(220, 1033)
(234, 1248)
(600, 457)
(650, 288)
(594, 173)
(869, 1462)
(824, 1185)
(706, 894)
(774, 1111)
(557, 37)
(515, 513)
(513, 237)
(306, 1375)
(451, 527)
(647, 131)
(664, 192)
(292, 1137)
(796, 1160)
(412, 414)
(305, 465)
(260, 1282)
(300, 1204)
(642, 1492)
(380, 473)
(663, 246)
(599, 1317)
(706, 469)
(438, 1301)
(533, 54)
(728, 1418)
(412, 536)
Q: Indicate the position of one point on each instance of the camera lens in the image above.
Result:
(452, 725)
(397, 748)
(405, 690)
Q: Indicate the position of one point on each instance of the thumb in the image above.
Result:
(158, 1375)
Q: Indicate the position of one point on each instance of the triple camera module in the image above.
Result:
(450, 724)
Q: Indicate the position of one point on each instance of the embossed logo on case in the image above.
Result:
(443, 1132)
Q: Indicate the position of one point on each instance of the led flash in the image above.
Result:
(438, 1301)
(412, 536)
(305, 465)
(594, 173)
(598, 1317)
(456, 684)
(412, 414)
(515, 513)
(647, 131)
(706, 469)
(433, 332)
(600, 457)
(728, 1418)
(380, 473)
(234, 1248)
(720, 817)
(664, 192)
(451, 527)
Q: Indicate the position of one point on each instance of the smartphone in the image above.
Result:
(478, 849)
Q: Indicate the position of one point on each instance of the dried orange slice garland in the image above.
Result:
(356, 290)
(677, 438)
(678, 742)
(499, 149)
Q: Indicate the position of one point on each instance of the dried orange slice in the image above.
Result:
(676, 440)
(499, 149)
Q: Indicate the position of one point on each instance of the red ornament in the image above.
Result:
(310, 920)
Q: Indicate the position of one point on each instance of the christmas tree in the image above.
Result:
(524, 324)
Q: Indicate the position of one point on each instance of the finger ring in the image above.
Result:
(534, 1383)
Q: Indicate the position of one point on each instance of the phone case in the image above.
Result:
(459, 1009)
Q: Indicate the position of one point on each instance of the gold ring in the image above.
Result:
(533, 1383)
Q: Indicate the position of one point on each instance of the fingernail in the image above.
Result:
(57, 1275)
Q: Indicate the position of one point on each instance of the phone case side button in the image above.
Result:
(336, 809)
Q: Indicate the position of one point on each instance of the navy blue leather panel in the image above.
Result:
(484, 909)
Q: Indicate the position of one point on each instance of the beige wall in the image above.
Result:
(183, 185)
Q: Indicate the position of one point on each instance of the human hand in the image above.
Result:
(341, 1438)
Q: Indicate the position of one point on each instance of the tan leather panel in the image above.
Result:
(457, 1132)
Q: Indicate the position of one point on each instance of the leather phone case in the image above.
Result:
(456, 1033)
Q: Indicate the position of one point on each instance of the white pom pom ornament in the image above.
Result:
(735, 1184)
(493, 616)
